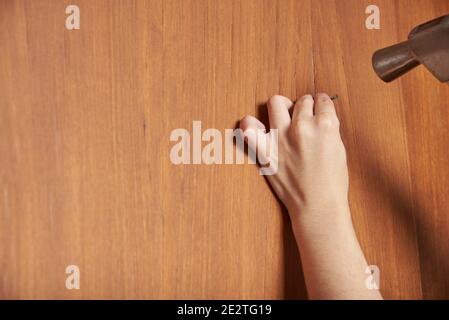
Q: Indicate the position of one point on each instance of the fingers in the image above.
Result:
(303, 108)
(250, 122)
(252, 129)
(324, 105)
(278, 107)
(306, 108)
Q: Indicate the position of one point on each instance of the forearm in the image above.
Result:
(333, 262)
(312, 181)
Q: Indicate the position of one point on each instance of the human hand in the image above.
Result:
(312, 173)
(312, 181)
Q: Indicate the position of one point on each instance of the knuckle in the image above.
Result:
(327, 121)
(302, 130)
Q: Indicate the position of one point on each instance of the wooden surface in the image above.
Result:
(85, 120)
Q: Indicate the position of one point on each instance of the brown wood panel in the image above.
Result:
(85, 120)
(426, 110)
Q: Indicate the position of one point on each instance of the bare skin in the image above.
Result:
(312, 182)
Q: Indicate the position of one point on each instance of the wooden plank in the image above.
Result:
(425, 103)
(85, 173)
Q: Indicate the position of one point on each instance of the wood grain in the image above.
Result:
(85, 120)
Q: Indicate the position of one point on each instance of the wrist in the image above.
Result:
(322, 217)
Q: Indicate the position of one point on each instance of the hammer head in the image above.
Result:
(427, 44)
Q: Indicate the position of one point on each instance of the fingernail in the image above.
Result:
(307, 96)
(322, 96)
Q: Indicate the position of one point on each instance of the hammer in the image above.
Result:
(427, 44)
